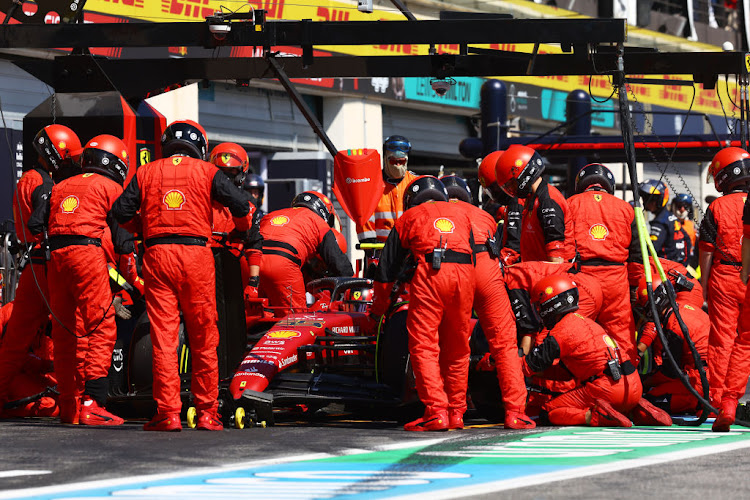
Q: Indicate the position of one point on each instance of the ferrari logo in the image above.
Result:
(357, 295)
(174, 199)
(280, 220)
(599, 232)
(88, 174)
(689, 307)
(445, 226)
(69, 204)
(145, 156)
(747, 62)
(176, 160)
(597, 197)
(225, 157)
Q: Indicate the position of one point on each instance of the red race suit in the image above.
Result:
(440, 299)
(665, 384)
(291, 236)
(174, 196)
(493, 309)
(606, 237)
(77, 218)
(721, 239)
(583, 349)
(30, 312)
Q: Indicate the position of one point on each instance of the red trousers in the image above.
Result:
(571, 407)
(79, 283)
(725, 293)
(681, 400)
(615, 316)
(499, 325)
(439, 330)
(30, 314)
(281, 281)
(182, 278)
(738, 369)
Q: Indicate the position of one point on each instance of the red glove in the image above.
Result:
(251, 290)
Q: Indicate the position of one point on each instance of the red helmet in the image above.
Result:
(486, 175)
(318, 203)
(730, 168)
(185, 137)
(58, 147)
(107, 155)
(661, 299)
(555, 296)
(517, 169)
(228, 156)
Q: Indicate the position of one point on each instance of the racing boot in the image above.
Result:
(603, 415)
(435, 420)
(69, 410)
(455, 419)
(93, 414)
(517, 420)
(209, 421)
(727, 412)
(164, 422)
(646, 413)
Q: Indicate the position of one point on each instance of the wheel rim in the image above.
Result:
(239, 418)
(191, 414)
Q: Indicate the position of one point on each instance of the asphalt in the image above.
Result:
(75, 453)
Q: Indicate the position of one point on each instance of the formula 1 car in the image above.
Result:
(332, 354)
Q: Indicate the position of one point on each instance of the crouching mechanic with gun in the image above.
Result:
(607, 390)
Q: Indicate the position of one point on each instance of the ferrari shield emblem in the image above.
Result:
(598, 197)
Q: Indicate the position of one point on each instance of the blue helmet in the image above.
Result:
(397, 143)
(652, 189)
(683, 199)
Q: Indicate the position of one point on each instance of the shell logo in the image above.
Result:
(445, 226)
(548, 290)
(519, 163)
(280, 220)
(176, 160)
(644, 292)
(609, 341)
(689, 307)
(599, 232)
(174, 199)
(69, 204)
(124, 154)
(597, 197)
(61, 145)
(283, 334)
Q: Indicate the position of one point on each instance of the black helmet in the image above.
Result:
(424, 188)
(106, 155)
(185, 137)
(318, 203)
(457, 188)
(555, 296)
(595, 173)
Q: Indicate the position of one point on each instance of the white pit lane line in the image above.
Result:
(575, 473)
(21, 472)
(109, 483)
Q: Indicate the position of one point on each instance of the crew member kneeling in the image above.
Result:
(608, 389)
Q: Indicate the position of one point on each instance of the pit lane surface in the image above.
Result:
(356, 459)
